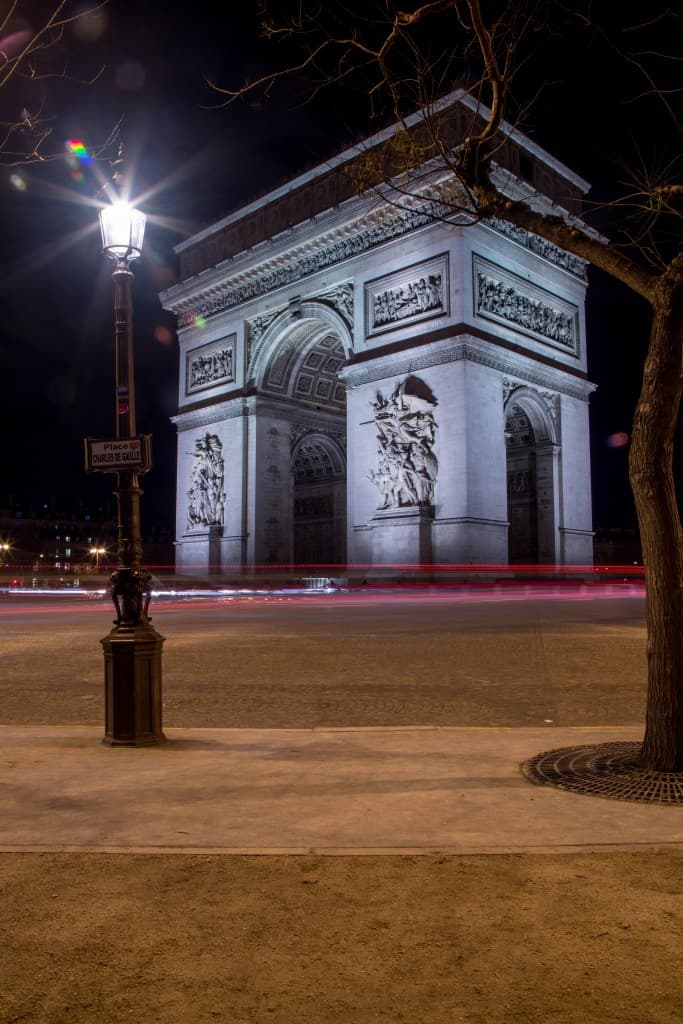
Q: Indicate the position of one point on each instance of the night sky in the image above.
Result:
(56, 336)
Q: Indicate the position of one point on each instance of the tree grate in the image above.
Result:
(608, 770)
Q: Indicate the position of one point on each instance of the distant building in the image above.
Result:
(363, 382)
(52, 541)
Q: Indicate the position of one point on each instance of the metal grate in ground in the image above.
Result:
(606, 769)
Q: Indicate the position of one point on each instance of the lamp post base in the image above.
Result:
(132, 686)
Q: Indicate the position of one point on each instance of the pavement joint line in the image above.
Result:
(340, 728)
(348, 851)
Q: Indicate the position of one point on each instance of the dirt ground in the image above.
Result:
(519, 939)
(563, 939)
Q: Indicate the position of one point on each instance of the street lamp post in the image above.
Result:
(97, 552)
(132, 650)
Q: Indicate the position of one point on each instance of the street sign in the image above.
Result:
(118, 455)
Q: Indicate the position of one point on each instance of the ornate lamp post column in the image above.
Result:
(132, 650)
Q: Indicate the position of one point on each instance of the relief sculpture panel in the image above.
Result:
(206, 497)
(505, 298)
(210, 365)
(418, 292)
(407, 467)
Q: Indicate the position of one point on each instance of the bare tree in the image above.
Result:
(34, 62)
(403, 56)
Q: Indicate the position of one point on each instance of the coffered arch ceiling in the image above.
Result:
(518, 430)
(316, 459)
(304, 366)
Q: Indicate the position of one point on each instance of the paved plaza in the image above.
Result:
(337, 828)
(531, 656)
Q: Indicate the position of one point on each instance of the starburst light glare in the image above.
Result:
(123, 229)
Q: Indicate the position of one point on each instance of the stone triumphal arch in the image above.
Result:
(364, 382)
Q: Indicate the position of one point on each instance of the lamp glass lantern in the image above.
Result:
(123, 229)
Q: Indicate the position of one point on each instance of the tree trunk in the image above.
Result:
(652, 480)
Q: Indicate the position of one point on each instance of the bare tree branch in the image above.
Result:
(390, 50)
(29, 54)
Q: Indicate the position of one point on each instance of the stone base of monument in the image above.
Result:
(470, 540)
(200, 551)
(402, 536)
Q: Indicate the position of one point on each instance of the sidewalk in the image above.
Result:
(328, 790)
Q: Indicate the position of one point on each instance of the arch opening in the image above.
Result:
(532, 461)
(297, 373)
(521, 486)
(318, 501)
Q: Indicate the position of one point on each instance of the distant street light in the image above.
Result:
(97, 552)
(4, 548)
(132, 650)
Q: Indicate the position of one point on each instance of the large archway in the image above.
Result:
(521, 487)
(301, 516)
(532, 485)
(319, 501)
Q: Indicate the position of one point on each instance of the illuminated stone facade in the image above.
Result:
(369, 384)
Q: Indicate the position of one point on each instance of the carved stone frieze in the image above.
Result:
(507, 303)
(552, 403)
(419, 296)
(540, 246)
(505, 298)
(340, 298)
(407, 467)
(257, 327)
(508, 387)
(210, 365)
(358, 237)
(550, 400)
(415, 293)
(206, 497)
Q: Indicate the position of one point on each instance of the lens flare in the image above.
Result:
(79, 149)
(618, 440)
(12, 44)
(90, 25)
(163, 335)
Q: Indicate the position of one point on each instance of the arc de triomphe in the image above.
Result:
(363, 383)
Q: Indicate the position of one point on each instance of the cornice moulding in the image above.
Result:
(472, 350)
(211, 293)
